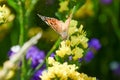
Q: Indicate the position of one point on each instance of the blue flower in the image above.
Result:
(52, 55)
(37, 56)
(38, 73)
(89, 56)
(94, 44)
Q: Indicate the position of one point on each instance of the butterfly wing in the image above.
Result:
(55, 24)
(65, 27)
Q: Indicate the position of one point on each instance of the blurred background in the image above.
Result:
(101, 20)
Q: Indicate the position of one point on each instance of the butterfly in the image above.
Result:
(57, 25)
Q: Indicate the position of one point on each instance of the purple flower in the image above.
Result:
(37, 56)
(38, 73)
(94, 44)
(89, 56)
(106, 1)
(70, 58)
(52, 55)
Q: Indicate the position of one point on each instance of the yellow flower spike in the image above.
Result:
(51, 60)
(82, 37)
(68, 43)
(78, 39)
(83, 41)
(64, 49)
(80, 28)
(72, 28)
(64, 6)
(77, 52)
(64, 72)
(63, 43)
(75, 40)
(73, 23)
(59, 70)
(81, 31)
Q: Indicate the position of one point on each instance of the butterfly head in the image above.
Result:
(42, 17)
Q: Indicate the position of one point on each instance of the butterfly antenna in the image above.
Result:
(42, 17)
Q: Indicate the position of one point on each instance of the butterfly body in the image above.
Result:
(59, 26)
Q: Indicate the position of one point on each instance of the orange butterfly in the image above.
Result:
(59, 26)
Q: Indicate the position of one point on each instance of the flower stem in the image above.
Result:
(53, 47)
(52, 50)
(21, 37)
(21, 21)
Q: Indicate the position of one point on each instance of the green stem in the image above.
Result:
(23, 69)
(32, 71)
(52, 50)
(53, 47)
(21, 21)
(21, 37)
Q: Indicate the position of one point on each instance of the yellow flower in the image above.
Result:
(81, 31)
(5, 14)
(63, 50)
(64, 6)
(60, 71)
(75, 40)
(5, 20)
(64, 72)
(83, 38)
(77, 52)
(83, 41)
(51, 60)
(77, 36)
(72, 28)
